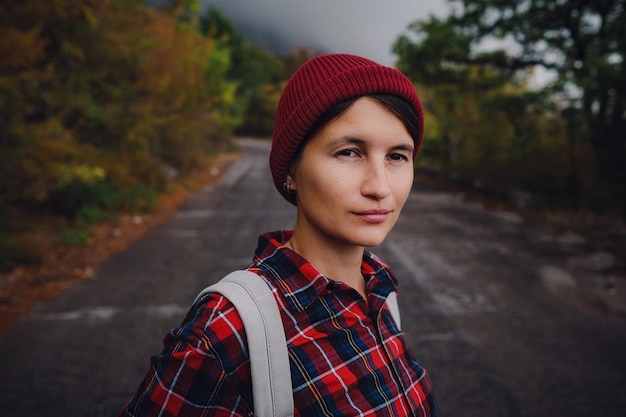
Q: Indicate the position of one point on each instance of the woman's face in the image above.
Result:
(353, 177)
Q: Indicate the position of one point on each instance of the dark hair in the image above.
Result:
(398, 106)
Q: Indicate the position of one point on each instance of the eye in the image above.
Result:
(398, 157)
(348, 153)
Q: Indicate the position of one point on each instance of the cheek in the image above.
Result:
(403, 185)
(330, 187)
(321, 179)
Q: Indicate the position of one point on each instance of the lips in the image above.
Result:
(373, 216)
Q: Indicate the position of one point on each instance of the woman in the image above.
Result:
(346, 134)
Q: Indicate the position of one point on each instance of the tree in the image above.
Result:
(582, 41)
(105, 91)
(255, 71)
(99, 101)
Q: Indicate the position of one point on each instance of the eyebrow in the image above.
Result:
(347, 140)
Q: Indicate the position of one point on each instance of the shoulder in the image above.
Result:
(215, 318)
(214, 325)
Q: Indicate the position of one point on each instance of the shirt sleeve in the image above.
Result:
(204, 367)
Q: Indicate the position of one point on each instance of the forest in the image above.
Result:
(103, 102)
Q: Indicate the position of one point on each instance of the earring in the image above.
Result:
(288, 188)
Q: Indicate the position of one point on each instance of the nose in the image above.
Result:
(375, 181)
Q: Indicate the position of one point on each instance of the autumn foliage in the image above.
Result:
(100, 101)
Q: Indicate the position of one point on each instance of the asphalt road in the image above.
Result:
(484, 299)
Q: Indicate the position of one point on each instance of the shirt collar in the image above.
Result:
(300, 282)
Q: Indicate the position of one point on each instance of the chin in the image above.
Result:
(370, 240)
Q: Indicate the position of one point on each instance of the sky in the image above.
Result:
(362, 27)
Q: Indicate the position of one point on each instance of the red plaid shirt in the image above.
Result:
(347, 357)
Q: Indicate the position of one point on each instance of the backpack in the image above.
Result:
(267, 346)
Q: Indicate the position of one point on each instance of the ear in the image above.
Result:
(291, 182)
(291, 176)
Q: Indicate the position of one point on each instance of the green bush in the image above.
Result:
(140, 198)
(89, 214)
(14, 251)
(76, 236)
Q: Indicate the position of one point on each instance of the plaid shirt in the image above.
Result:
(347, 357)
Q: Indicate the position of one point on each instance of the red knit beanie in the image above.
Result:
(319, 84)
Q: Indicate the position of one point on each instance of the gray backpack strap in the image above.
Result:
(392, 303)
(269, 360)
